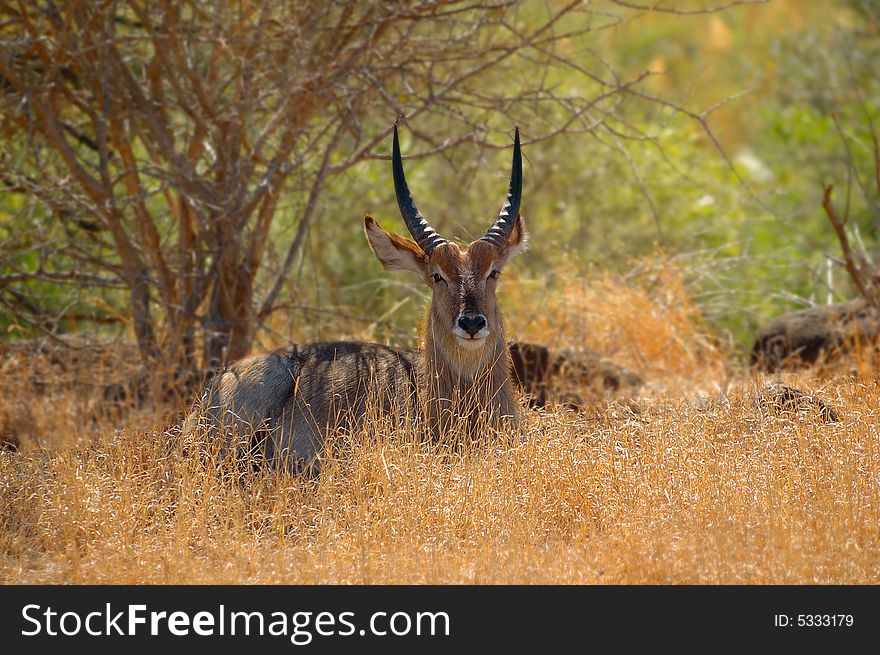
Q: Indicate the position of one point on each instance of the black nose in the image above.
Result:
(472, 323)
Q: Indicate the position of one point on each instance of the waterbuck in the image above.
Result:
(459, 381)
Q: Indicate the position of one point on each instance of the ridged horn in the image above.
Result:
(503, 225)
(425, 235)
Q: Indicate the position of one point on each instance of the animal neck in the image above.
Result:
(467, 384)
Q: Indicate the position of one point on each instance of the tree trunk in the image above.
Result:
(230, 322)
(143, 326)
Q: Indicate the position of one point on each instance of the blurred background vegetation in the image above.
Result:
(752, 247)
(788, 88)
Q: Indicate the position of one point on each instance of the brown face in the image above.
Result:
(464, 311)
(463, 282)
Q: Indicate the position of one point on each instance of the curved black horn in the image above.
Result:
(425, 235)
(503, 225)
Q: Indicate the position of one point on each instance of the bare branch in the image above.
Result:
(659, 7)
(852, 267)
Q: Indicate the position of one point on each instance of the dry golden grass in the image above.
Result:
(691, 488)
(649, 325)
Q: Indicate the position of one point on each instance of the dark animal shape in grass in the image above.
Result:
(9, 440)
(818, 334)
(567, 376)
(784, 401)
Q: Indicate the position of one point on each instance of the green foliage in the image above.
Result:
(746, 225)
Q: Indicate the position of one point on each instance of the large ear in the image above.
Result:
(517, 242)
(395, 252)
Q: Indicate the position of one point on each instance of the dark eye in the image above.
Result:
(494, 274)
(438, 278)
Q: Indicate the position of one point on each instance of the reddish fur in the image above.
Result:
(461, 384)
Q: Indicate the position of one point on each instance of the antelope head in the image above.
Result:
(463, 315)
